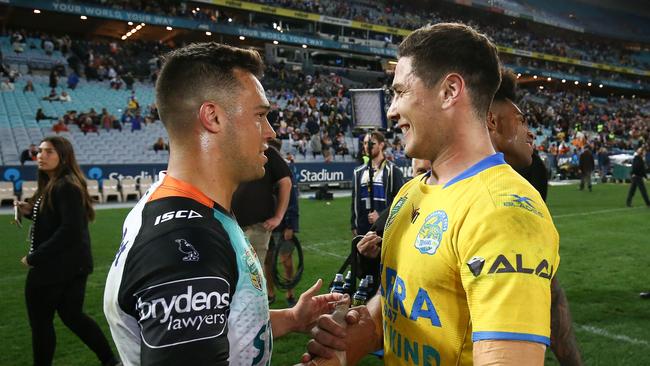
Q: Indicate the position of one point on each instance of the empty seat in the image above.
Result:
(110, 189)
(129, 189)
(7, 192)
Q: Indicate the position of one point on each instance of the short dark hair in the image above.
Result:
(377, 135)
(508, 87)
(197, 72)
(440, 49)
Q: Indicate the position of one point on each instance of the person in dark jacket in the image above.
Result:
(638, 174)
(587, 166)
(59, 258)
(387, 179)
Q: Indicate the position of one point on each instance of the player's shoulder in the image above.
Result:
(508, 194)
(173, 226)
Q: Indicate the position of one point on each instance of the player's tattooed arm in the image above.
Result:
(563, 340)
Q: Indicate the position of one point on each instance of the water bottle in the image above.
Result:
(338, 284)
(347, 287)
(361, 296)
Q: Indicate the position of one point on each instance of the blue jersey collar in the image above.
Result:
(489, 162)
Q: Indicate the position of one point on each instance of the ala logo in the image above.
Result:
(183, 311)
(192, 255)
(430, 235)
(180, 214)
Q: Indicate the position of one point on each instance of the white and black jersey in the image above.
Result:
(185, 285)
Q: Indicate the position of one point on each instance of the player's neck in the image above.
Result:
(195, 169)
(461, 154)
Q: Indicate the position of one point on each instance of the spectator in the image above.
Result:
(41, 115)
(65, 97)
(88, 126)
(129, 80)
(106, 120)
(116, 123)
(73, 80)
(52, 96)
(638, 174)
(341, 145)
(387, 179)
(29, 154)
(7, 86)
(136, 122)
(133, 104)
(326, 144)
(160, 145)
(60, 126)
(116, 82)
(316, 144)
(29, 87)
(586, 168)
(54, 79)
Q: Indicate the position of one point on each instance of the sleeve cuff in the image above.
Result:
(509, 336)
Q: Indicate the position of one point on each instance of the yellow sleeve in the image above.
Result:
(507, 258)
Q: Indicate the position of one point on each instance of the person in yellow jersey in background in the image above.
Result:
(469, 249)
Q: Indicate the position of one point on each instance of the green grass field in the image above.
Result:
(605, 249)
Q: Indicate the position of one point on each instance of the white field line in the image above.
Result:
(614, 336)
(596, 212)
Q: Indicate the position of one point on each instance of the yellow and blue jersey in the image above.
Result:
(467, 261)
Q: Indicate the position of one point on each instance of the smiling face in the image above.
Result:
(48, 159)
(414, 108)
(247, 130)
(510, 134)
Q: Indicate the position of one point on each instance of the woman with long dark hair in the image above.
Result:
(59, 258)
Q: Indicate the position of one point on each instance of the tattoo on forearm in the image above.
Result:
(563, 340)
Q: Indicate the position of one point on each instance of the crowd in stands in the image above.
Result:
(402, 16)
(591, 73)
(311, 110)
(576, 120)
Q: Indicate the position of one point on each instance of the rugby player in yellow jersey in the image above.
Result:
(469, 249)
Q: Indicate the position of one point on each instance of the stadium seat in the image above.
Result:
(93, 190)
(143, 185)
(110, 189)
(129, 188)
(7, 192)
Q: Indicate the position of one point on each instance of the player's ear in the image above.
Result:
(452, 88)
(491, 120)
(212, 116)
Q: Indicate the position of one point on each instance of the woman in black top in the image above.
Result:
(59, 258)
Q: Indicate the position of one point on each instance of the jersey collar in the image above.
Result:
(489, 162)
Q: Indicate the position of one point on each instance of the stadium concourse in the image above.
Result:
(86, 70)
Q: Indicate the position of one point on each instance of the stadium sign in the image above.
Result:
(303, 172)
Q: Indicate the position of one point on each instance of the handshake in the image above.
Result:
(346, 335)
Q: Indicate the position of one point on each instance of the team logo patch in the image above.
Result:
(430, 235)
(183, 311)
(253, 268)
(523, 202)
(393, 211)
(191, 254)
(476, 265)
